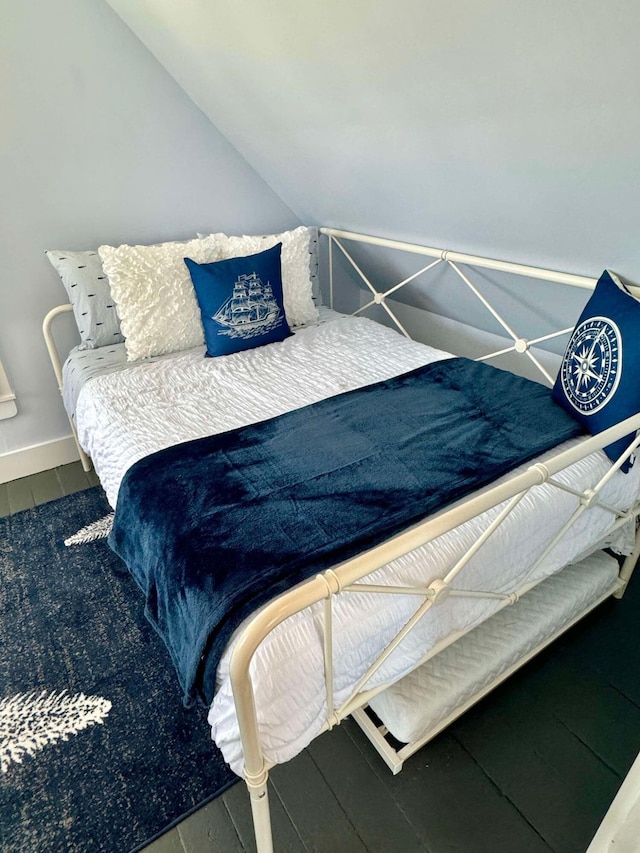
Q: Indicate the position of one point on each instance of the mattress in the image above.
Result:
(136, 410)
(433, 691)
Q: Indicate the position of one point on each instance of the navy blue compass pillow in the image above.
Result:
(598, 382)
(240, 301)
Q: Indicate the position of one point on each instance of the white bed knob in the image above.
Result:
(438, 591)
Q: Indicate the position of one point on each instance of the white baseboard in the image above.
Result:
(8, 406)
(39, 457)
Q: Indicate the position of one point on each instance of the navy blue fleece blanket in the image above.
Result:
(213, 528)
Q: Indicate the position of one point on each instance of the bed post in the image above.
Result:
(260, 811)
(57, 369)
(628, 566)
(256, 774)
(330, 271)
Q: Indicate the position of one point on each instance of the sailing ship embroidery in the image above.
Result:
(251, 309)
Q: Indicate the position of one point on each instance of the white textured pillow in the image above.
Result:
(296, 280)
(154, 295)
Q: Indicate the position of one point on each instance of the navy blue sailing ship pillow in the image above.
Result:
(598, 379)
(240, 301)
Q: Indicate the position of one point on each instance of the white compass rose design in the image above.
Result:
(592, 366)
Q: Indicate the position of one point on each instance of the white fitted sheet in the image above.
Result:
(124, 416)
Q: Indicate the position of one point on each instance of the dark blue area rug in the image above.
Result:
(97, 751)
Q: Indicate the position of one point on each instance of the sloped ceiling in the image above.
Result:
(497, 127)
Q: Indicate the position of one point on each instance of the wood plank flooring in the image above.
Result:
(45, 486)
(531, 769)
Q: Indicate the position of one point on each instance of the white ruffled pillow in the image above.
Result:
(296, 280)
(154, 295)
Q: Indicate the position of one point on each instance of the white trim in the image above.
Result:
(8, 406)
(38, 457)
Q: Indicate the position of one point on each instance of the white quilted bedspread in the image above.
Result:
(124, 416)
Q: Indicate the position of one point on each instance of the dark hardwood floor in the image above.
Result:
(532, 768)
(45, 486)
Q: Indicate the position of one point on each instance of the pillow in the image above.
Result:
(598, 379)
(154, 295)
(299, 266)
(89, 293)
(240, 301)
(313, 266)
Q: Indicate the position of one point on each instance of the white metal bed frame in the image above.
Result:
(350, 576)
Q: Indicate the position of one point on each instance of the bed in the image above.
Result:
(379, 628)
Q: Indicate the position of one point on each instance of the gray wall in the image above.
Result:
(501, 128)
(498, 128)
(98, 145)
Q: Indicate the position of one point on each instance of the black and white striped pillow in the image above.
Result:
(89, 293)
